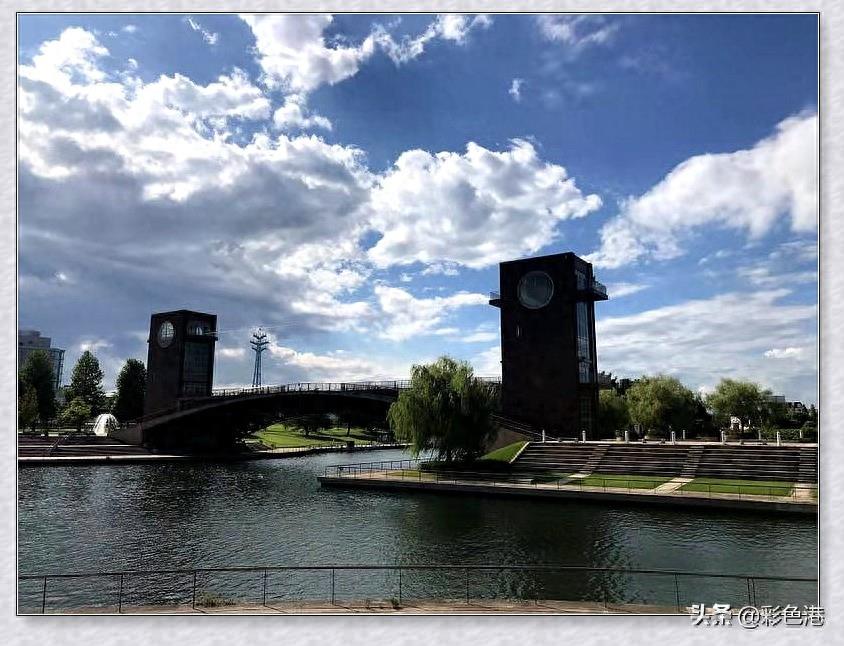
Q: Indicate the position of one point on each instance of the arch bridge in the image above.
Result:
(229, 413)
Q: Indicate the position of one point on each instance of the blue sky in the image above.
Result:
(351, 183)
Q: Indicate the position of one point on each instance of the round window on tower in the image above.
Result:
(535, 290)
(166, 332)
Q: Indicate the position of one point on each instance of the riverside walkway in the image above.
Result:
(406, 475)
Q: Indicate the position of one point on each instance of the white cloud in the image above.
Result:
(577, 32)
(129, 29)
(209, 37)
(748, 190)
(785, 353)
(229, 96)
(488, 362)
(404, 316)
(441, 269)
(453, 27)
(619, 290)
(293, 53)
(93, 345)
(701, 341)
(515, 90)
(473, 208)
(230, 353)
(294, 113)
(480, 337)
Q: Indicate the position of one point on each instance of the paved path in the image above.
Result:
(408, 607)
(672, 485)
(562, 490)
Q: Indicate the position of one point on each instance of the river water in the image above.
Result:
(274, 513)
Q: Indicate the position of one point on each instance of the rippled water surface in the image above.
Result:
(268, 513)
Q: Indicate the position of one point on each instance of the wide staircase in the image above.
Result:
(75, 445)
(558, 457)
(766, 463)
(643, 459)
(782, 463)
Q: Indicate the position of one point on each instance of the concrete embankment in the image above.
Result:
(590, 494)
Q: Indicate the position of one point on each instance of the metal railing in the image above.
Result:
(454, 583)
(415, 470)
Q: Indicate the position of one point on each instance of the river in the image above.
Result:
(273, 512)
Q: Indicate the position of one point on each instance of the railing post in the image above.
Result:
(332, 586)
(677, 592)
(44, 596)
(193, 592)
(120, 595)
(749, 596)
(467, 584)
(264, 603)
(399, 586)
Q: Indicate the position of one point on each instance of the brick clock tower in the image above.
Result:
(180, 360)
(548, 361)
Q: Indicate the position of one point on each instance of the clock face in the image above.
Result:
(166, 332)
(535, 289)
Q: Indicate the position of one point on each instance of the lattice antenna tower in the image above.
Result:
(259, 343)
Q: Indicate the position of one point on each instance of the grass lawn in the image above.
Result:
(551, 476)
(725, 485)
(505, 453)
(621, 481)
(281, 436)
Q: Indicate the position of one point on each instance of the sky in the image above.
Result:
(349, 183)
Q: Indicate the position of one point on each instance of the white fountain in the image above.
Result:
(104, 424)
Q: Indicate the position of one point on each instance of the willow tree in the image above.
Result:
(446, 409)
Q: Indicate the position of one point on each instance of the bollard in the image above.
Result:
(543, 435)
(684, 435)
(626, 436)
(779, 441)
(801, 434)
(583, 435)
(723, 437)
(673, 437)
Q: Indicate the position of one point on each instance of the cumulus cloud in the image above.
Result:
(294, 54)
(749, 190)
(294, 113)
(700, 341)
(405, 316)
(473, 208)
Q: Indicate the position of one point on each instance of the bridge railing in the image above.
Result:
(451, 584)
(332, 386)
(388, 386)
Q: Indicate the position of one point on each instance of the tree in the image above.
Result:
(660, 404)
(75, 413)
(311, 423)
(131, 389)
(742, 399)
(27, 407)
(86, 382)
(37, 372)
(446, 409)
(612, 413)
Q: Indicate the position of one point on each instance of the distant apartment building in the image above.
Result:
(31, 340)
